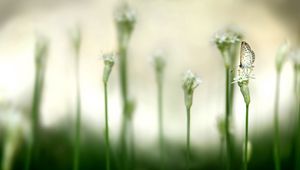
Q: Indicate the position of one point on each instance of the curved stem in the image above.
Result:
(188, 138)
(246, 138)
(276, 125)
(106, 129)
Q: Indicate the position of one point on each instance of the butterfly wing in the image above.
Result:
(247, 56)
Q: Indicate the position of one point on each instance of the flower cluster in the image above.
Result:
(190, 82)
(227, 42)
(125, 19)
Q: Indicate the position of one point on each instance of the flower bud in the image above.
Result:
(108, 64)
(245, 91)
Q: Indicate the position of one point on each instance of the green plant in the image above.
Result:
(125, 19)
(41, 52)
(280, 58)
(159, 65)
(227, 42)
(247, 58)
(108, 64)
(76, 43)
(295, 57)
(190, 82)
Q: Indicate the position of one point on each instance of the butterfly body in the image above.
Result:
(247, 56)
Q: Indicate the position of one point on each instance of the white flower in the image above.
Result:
(158, 60)
(190, 81)
(124, 14)
(244, 74)
(227, 37)
(109, 61)
(295, 56)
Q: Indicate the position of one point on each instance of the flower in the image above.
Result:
(294, 55)
(41, 50)
(109, 61)
(125, 18)
(159, 61)
(190, 82)
(227, 41)
(281, 55)
(244, 74)
(243, 77)
(76, 39)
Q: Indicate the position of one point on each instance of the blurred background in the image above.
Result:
(184, 30)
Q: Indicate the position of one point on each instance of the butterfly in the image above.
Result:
(247, 56)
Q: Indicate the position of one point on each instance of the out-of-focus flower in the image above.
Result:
(109, 61)
(159, 63)
(295, 56)
(41, 51)
(190, 82)
(125, 18)
(281, 55)
(76, 39)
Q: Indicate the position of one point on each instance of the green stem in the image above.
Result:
(188, 109)
(227, 119)
(132, 160)
(298, 139)
(78, 116)
(297, 96)
(35, 125)
(276, 124)
(28, 156)
(246, 138)
(124, 92)
(160, 121)
(106, 129)
(123, 141)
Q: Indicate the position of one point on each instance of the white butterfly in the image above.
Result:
(247, 56)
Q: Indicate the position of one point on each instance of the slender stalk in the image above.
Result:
(132, 137)
(41, 48)
(298, 139)
(124, 92)
(123, 141)
(246, 138)
(160, 120)
(35, 118)
(297, 90)
(106, 130)
(276, 124)
(227, 118)
(78, 116)
(28, 157)
(188, 138)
